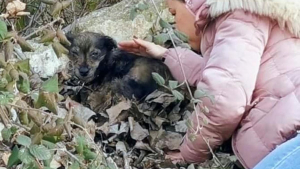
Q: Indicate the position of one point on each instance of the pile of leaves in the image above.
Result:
(43, 127)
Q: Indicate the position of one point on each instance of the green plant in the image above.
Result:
(172, 85)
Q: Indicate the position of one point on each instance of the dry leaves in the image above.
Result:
(15, 8)
(116, 110)
(136, 131)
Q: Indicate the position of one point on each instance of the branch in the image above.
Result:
(3, 117)
(43, 27)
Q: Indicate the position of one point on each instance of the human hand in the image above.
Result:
(175, 157)
(144, 48)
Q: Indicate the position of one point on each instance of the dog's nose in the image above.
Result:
(84, 71)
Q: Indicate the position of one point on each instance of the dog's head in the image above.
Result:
(88, 50)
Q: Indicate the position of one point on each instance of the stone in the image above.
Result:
(113, 21)
(43, 61)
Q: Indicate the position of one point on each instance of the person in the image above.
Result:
(250, 62)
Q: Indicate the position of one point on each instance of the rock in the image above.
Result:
(115, 21)
(43, 61)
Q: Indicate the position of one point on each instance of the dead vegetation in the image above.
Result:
(42, 127)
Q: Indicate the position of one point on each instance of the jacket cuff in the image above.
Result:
(168, 57)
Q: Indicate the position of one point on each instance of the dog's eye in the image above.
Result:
(94, 54)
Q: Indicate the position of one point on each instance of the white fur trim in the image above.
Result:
(285, 12)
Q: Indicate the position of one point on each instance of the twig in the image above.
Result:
(33, 109)
(43, 27)
(3, 118)
(83, 9)
(67, 122)
(101, 4)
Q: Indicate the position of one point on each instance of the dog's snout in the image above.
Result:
(84, 71)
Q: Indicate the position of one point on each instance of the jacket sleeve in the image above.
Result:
(192, 64)
(230, 76)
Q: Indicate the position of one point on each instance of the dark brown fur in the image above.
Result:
(97, 60)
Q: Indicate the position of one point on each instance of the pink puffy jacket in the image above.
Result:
(251, 64)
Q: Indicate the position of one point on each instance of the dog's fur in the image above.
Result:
(97, 60)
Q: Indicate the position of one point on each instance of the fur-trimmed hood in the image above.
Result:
(285, 12)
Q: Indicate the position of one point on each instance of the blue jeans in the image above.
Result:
(285, 156)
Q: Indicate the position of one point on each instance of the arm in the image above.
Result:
(192, 64)
(230, 75)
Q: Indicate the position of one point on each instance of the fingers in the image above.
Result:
(128, 44)
(143, 43)
(137, 46)
(135, 43)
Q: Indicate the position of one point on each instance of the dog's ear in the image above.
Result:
(109, 43)
(70, 37)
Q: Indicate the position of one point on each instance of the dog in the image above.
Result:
(97, 60)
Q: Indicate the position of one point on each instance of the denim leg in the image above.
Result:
(285, 156)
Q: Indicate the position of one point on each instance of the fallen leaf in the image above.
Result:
(5, 157)
(54, 164)
(14, 7)
(136, 131)
(191, 166)
(170, 140)
(114, 129)
(104, 128)
(124, 127)
(181, 126)
(116, 110)
(79, 110)
(143, 146)
(120, 146)
(160, 97)
(159, 121)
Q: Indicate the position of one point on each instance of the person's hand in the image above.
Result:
(175, 157)
(144, 48)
